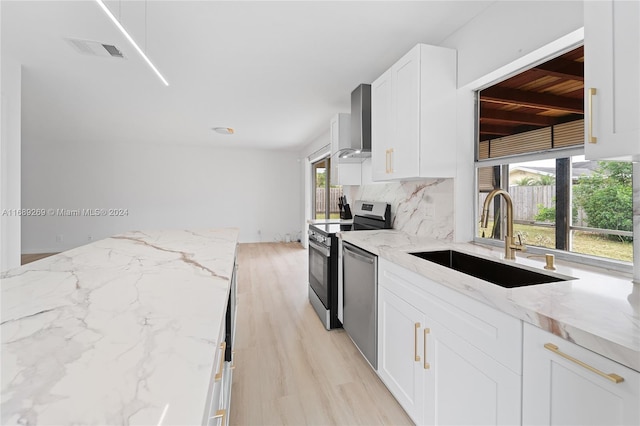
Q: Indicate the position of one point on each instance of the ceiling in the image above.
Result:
(547, 94)
(274, 71)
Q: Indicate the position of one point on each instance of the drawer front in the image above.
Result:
(495, 333)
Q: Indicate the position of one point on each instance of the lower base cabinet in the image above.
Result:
(451, 360)
(399, 352)
(219, 397)
(437, 375)
(565, 384)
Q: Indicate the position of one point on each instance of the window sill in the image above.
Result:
(583, 259)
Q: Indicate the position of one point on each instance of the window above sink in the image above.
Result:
(531, 144)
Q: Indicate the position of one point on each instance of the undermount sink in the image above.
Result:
(488, 270)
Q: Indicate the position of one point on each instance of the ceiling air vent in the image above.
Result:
(94, 48)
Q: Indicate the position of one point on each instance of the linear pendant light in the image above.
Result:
(133, 43)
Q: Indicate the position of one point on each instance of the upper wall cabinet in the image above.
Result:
(413, 110)
(343, 171)
(612, 85)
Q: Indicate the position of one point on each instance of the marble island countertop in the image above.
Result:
(120, 331)
(595, 308)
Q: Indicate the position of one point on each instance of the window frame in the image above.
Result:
(601, 262)
(327, 193)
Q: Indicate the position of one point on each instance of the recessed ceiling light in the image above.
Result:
(224, 130)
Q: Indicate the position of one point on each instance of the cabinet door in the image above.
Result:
(342, 173)
(438, 97)
(400, 330)
(560, 391)
(465, 386)
(405, 158)
(382, 137)
(612, 67)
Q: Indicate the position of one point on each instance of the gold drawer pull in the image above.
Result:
(426, 365)
(415, 342)
(218, 376)
(221, 414)
(233, 360)
(591, 92)
(613, 377)
(391, 160)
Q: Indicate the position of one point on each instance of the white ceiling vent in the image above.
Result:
(94, 48)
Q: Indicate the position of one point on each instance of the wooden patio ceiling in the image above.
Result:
(550, 93)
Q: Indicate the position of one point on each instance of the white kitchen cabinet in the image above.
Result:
(611, 68)
(437, 352)
(219, 397)
(381, 126)
(562, 384)
(413, 110)
(218, 412)
(343, 171)
(399, 352)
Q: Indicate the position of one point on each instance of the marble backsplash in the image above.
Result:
(419, 207)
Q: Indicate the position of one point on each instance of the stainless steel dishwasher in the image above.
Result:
(360, 298)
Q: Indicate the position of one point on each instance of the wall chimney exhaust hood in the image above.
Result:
(359, 145)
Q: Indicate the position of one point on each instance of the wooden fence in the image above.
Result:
(334, 194)
(526, 200)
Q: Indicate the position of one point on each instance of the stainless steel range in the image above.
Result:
(323, 256)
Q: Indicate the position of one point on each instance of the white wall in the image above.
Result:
(10, 135)
(162, 187)
(508, 30)
(503, 34)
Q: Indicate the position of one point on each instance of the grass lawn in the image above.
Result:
(583, 242)
(321, 215)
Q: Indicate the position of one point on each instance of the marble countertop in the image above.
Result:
(121, 331)
(595, 308)
(328, 221)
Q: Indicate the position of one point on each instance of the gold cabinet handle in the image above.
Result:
(391, 160)
(591, 92)
(221, 414)
(218, 376)
(611, 376)
(386, 161)
(426, 365)
(415, 342)
(233, 360)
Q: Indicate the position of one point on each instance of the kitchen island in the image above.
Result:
(125, 330)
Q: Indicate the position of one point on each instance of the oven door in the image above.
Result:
(320, 271)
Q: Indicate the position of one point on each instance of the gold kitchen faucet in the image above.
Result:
(510, 244)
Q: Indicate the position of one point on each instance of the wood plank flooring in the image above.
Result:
(289, 369)
(28, 258)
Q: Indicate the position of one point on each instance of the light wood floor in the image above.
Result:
(28, 258)
(289, 369)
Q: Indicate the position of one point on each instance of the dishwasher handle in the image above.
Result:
(363, 258)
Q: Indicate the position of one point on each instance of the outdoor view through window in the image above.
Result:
(325, 195)
(600, 200)
(560, 200)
